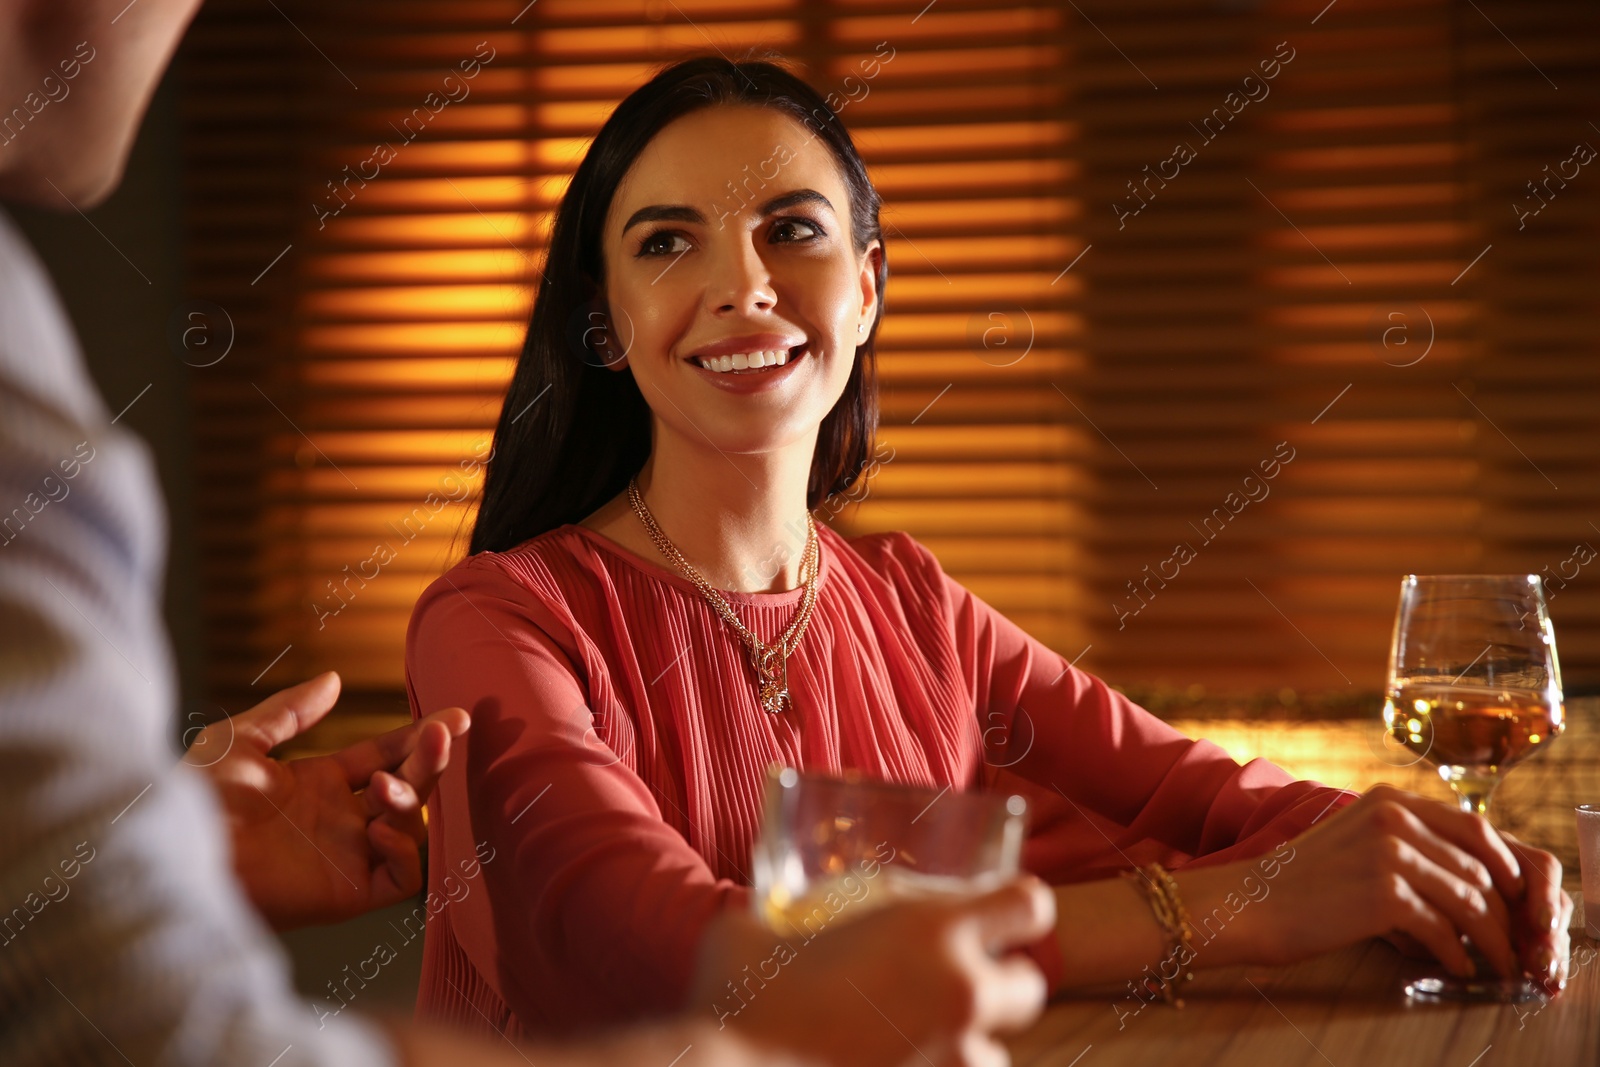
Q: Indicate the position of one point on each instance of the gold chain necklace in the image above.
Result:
(771, 662)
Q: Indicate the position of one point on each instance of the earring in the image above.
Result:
(861, 328)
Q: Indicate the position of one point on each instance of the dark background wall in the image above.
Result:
(121, 276)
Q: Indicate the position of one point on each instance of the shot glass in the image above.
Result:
(1589, 864)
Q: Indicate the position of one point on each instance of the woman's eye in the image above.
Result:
(665, 243)
(795, 230)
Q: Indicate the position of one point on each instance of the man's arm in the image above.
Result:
(122, 932)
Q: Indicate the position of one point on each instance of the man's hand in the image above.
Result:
(914, 982)
(323, 839)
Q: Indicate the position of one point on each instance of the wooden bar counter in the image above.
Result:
(1344, 1009)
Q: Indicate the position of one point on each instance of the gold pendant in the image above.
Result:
(774, 680)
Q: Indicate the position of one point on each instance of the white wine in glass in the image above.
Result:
(1474, 683)
(837, 847)
(1474, 688)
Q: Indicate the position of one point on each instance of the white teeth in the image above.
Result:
(745, 360)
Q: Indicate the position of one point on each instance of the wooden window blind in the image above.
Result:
(1318, 347)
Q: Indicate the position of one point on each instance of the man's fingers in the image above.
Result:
(399, 872)
(429, 758)
(387, 795)
(980, 1050)
(397, 795)
(394, 803)
(288, 712)
(1010, 997)
(1013, 915)
(387, 751)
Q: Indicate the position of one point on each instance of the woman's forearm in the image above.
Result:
(1107, 931)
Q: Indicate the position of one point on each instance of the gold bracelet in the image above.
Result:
(1161, 890)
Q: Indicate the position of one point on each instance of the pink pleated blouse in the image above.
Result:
(603, 806)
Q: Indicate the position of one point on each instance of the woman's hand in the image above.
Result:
(1422, 875)
(1541, 921)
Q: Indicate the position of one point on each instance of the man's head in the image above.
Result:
(75, 79)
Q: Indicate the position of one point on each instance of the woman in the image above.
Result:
(649, 619)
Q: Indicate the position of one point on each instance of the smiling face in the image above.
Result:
(730, 235)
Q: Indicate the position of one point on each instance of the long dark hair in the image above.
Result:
(571, 432)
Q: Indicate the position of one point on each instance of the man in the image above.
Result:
(131, 930)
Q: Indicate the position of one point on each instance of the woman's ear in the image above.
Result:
(871, 261)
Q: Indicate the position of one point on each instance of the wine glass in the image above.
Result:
(836, 847)
(1474, 688)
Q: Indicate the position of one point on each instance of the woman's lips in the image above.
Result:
(742, 381)
(749, 362)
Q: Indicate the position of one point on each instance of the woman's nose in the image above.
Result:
(740, 282)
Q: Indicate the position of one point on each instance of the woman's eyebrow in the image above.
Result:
(663, 213)
(788, 200)
(681, 213)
